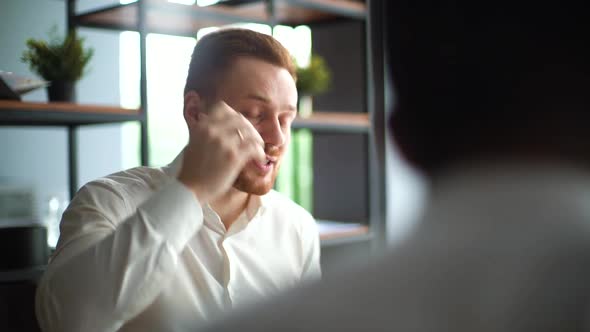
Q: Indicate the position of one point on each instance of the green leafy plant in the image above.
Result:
(315, 78)
(59, 59)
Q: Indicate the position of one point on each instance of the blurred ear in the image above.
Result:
(192, 107)
(405, 136)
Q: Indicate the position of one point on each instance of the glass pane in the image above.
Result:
(167, 66)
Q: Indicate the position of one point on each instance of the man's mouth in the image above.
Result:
(266, 165)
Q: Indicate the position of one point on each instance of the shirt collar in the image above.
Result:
(173, 168)
(257, 205)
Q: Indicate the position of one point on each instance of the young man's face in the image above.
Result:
(266, 95)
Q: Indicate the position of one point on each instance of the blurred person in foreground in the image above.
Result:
(163, 249)
(492, 104)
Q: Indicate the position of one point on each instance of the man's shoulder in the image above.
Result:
(140, 174)
(131, 181)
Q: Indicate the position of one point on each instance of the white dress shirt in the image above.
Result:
(502, 247)
(137, 252)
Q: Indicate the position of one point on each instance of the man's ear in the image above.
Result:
(192, 106)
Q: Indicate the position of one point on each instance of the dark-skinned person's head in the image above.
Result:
(253, 74)
(489, 82)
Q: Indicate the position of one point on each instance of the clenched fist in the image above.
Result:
(221, 142)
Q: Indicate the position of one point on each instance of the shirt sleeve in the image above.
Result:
(105, 271)
(311, 247)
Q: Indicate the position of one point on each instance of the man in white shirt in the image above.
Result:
(493, 106)
(164, 249)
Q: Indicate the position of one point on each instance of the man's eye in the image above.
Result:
(287, 119)
(252, 115)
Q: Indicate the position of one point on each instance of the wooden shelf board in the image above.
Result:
(59, 113)
(346, 8)
(167, 18)
(345, 240)
(331, 231)
(334, 121)
(178, 19)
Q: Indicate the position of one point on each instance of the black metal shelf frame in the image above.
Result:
(332, 128)
(17, 117)
(356, 12)
(375, 98)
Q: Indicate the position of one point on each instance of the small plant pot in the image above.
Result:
(62, 91)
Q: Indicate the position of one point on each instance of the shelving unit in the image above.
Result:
(160, 16)
(334, 122)
(177, 19)
(71, 116)
(16, 113)
(333, 232)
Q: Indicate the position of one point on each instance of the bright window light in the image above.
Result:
(201, 3)
(129, 94)
(204, 31)
(262, 28)
(204, 3)
(129, 69)
(296, 40)
(167, 66)
(183, 2)
(168, 59)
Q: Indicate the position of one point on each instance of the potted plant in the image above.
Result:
(312, 80)
(62, 61)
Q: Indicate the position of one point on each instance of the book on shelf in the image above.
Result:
(12, 86)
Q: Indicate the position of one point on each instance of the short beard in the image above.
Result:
(244, 184)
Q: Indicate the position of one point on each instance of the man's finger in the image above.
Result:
(252, 151)
(220, 111)
(249, 130)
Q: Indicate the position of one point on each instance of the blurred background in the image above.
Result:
(341, 166)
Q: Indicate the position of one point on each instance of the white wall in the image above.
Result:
(406, 188)
(406, 194)
(38, 155)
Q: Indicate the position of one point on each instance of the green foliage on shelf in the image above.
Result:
(315, 78)
(295, 179)
(59, 59)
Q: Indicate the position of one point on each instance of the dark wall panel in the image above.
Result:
(340, 177)
(340, 160)
(342, 44)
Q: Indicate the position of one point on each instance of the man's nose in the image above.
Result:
(272, 132)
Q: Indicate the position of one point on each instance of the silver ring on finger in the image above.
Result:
(240, 135)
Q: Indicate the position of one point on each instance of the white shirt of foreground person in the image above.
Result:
(504, 248)
(137, 252)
